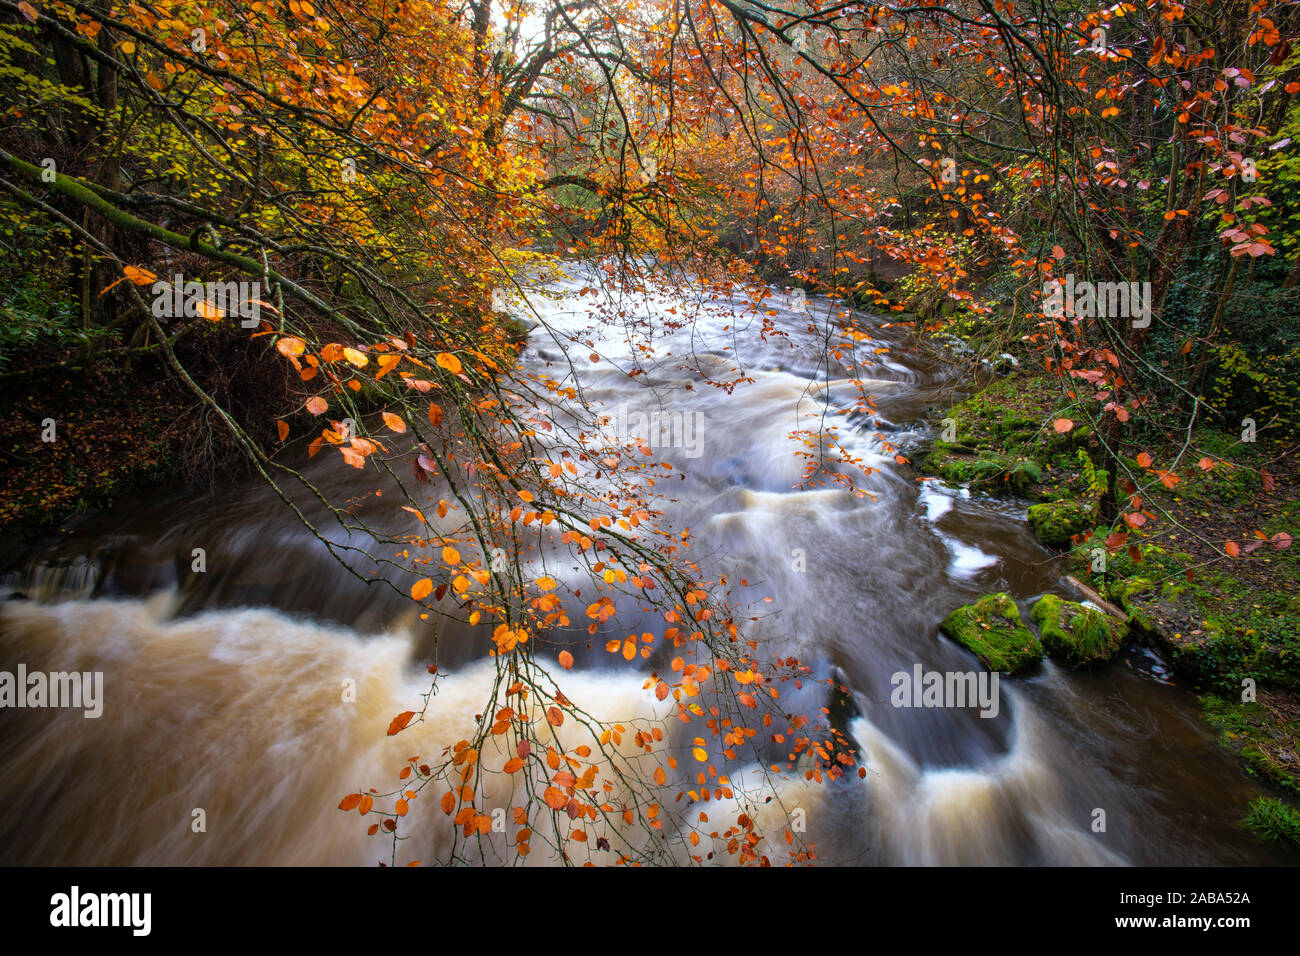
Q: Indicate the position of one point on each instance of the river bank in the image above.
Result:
(1227, 626)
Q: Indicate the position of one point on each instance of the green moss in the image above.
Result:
(1261, 736)
(1077, 634)
(992, 629)
(1273, 820)
(1056, 522)
(1023, 474)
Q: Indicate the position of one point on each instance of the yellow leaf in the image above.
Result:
(355, 357)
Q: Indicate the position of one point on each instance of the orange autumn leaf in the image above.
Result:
(290, 346)
(1062, 425)
(555, 798)
(435, 414)
(282, 428)
(350, 801)
(421, 589)
(448, 802)
(367, 801)
(449, 362)
(566, 660)
(316, 405)
(393, 422)
(208, 310)
(400, 721)
(1144, 460)
(139, 276)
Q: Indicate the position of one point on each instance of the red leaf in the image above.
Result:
(1062, 425)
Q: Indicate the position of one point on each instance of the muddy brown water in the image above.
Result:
(222, 687)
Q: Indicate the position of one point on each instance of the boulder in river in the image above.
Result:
(991, 627)
(1077, 634)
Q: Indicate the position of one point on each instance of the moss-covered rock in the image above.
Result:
(991, 627)
(1055, 522)
(1077, 634)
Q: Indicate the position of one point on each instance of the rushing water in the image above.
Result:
(222, 688)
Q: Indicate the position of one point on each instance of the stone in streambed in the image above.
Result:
(1077, 634)
(992, 629)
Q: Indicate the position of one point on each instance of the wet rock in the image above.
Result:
(992, 629)
(1077, 634)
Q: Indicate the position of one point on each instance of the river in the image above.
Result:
(222, 687)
